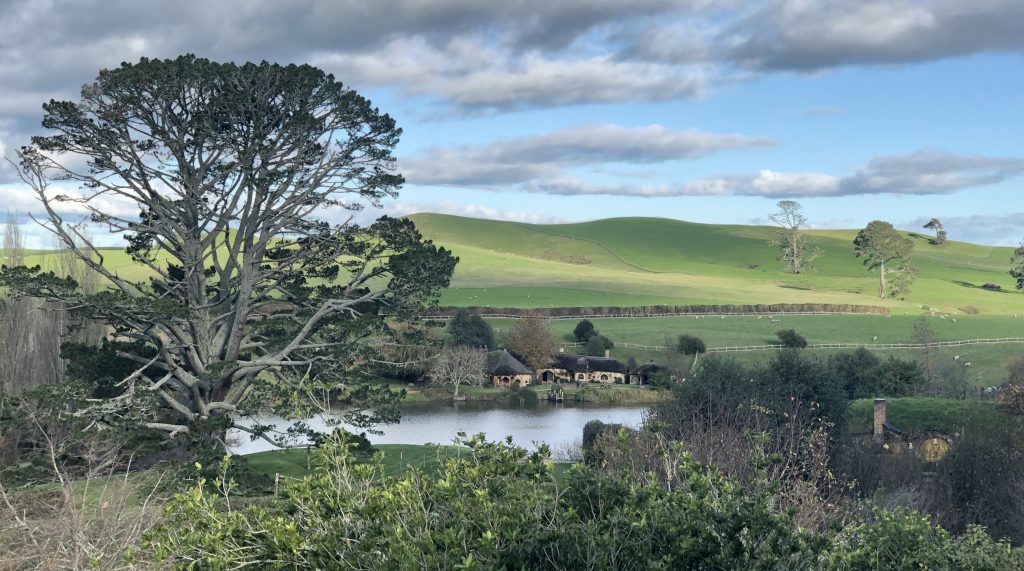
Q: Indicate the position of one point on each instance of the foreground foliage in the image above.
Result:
(499, 507)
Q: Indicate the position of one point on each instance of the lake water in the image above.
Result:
(560, 425)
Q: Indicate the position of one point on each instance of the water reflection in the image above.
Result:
(559, 425)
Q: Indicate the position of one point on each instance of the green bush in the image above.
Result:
(465, 328)
(791, 339)
(496, 508)
(584, 330)
(690, 345)
(597, 345)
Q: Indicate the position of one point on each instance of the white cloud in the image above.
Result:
(543, 157)
(469, 210)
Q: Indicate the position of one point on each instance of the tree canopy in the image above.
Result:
(881, 245)
(792, 244)
(470, 329)
(1017, 265)
(935, 225)
(235, 187)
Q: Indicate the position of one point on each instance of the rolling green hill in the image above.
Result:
(645, 261)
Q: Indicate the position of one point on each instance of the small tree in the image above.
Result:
(470, 329)
(792, 244)
(1017, 265)
(690, 345)
(460, 365)
(940, 233)
(584, 330)
(791, 339)
(530, 339)
(884, 248)
(597, 345)
(1011, 394)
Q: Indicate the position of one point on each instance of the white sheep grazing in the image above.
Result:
(957, 358)
(967, 364)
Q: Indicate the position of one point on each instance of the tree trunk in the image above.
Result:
(881, 281)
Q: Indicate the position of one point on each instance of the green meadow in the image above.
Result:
(647, 261)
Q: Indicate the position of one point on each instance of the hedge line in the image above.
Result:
(664, 310)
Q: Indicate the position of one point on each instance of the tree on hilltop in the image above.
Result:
(1017, 265)
(791, 242)
(940, 233)
(885, 249)
(255, 298)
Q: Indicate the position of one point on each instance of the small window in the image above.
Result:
(604, 377)
(580, 376)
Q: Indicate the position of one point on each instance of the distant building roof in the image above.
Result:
(503, 363)
(647, 369)
(586, 364)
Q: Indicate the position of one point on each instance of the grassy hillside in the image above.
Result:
(640, 261)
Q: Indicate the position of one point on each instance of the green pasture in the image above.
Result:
(920, 414)
(644, 261)
(397, 459)
(989, 363)
(654, 261)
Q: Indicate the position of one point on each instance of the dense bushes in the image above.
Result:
(496, 508)
(866, 376)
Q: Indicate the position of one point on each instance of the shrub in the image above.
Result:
(584, 330)
(597, 345)
(791, 339)
(690, 345)
(467, 328)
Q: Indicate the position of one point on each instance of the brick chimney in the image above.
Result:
(879, 429)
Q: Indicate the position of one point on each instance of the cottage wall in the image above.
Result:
(510, 380)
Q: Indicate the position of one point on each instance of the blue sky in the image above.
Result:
(586, 109)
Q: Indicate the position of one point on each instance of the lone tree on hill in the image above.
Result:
(253, 295)
(940, 233)
(470, 329)
(884, 248)
(792, 244)
(1017, 265)
(530, 339)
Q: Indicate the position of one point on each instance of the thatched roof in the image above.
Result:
(585, 364)
(647, 369)
(502, 363)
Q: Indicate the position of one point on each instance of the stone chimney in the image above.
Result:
(607, 353)
(879, 429)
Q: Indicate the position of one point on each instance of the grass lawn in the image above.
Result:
(917, 414)
(989, 363)
(648, 261)
(644, 261)
(397, 458)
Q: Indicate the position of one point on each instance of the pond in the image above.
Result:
(560, 425)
